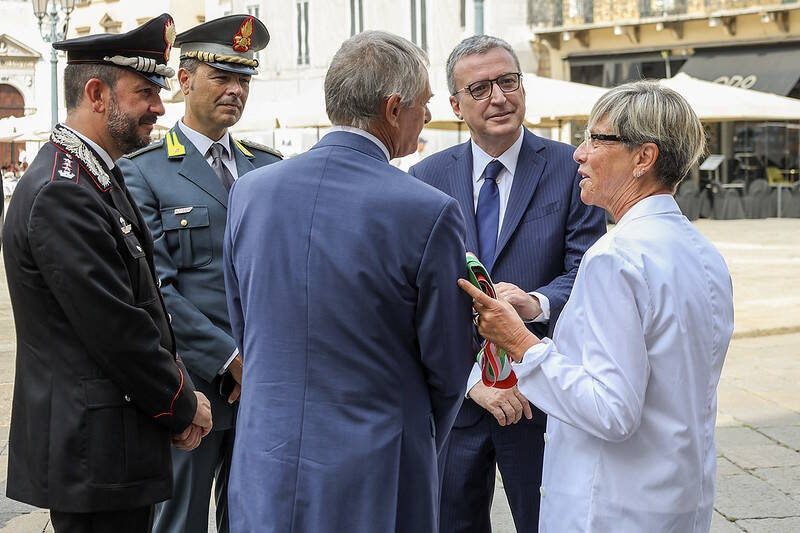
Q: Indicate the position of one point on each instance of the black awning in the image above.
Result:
(770, 70)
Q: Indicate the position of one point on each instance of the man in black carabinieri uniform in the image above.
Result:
(99, 392)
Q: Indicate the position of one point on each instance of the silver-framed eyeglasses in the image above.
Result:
(589, 138)
(481, 90)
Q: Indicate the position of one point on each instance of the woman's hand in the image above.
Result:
(499, 322)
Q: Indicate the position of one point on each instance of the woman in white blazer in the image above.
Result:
(629, 378)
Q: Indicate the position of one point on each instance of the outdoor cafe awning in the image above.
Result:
(770, 70)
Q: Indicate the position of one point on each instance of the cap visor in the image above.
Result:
(159, 80)
(233, 67)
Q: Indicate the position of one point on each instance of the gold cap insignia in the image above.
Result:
(169, 37)
(243, 38)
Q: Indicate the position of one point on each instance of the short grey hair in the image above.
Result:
(646, 111)
(369, 68)
(477, 44)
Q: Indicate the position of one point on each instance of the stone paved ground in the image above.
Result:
(758, 427)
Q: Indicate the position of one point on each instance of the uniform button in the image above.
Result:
(158, 282)
(541, 491)
(169, 316)
(545, 438)
(127, 398)
(184, 222)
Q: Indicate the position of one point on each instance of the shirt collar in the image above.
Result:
(203, 143)
(96, 147)
(363, 133)
(651, 205)
(509, 158)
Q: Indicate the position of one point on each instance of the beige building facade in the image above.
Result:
(753, 44)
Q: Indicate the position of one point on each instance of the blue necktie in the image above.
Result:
(487, 215)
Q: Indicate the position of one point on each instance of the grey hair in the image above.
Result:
(190, 64)
(645, 111)
(369, 68)
(477, 44)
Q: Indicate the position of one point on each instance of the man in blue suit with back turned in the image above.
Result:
(341, 277)
(181, 185)
(520, 197)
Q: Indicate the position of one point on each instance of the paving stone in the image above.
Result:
(720, 524)
(761, 455)
(502, 521)
(34, 522)
(784, 479)
(745, 496)
(726, 420)
(786, 435)
(739, 436)
(727, 468)
(771, 525)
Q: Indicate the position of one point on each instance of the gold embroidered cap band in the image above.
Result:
(227, 43)
(145, 50)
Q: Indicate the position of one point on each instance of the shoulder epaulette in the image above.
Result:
(158, 144)
(174, 146)
(68, 167)
(258, 146)
(75, 156)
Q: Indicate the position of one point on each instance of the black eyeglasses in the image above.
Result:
(588, 137)
(481, 90)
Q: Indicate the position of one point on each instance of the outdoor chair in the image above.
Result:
(786, 202)
(793, 207)
(728, 204)
(689, 200)
(758, 199)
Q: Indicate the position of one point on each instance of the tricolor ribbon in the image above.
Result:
(495, 364)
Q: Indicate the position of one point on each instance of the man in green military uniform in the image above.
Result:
(181, 184)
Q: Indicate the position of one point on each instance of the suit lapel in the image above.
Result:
(463, 191)
(122, 201)
(530, 166)
(196, 169)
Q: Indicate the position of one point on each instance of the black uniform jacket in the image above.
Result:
(98, 389)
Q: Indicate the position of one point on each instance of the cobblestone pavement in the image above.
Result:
(758, 427)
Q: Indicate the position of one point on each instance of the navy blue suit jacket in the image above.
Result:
(546, 228)
(341, 278)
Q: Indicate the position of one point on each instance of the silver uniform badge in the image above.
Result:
(126, 228)
(182, 210)
(66, 168)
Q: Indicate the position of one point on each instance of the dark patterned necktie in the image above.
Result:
(216, 150)
(487, 215)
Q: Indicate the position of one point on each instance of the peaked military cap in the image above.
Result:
(227, 43)
(145, 49)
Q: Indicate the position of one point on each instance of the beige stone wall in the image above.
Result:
(748, 29)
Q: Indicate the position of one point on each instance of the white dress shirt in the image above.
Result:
(365, 134)
(629, 381)
(480, 160)
(203, 143)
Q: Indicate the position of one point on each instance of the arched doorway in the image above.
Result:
(12, 104)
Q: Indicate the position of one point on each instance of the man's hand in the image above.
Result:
(235, 368)
(202, 416)
(506, 405)
(499, 322)
(235, 393)
(526, 305)
(189, 439)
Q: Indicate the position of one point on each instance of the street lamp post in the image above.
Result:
(56, 9)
